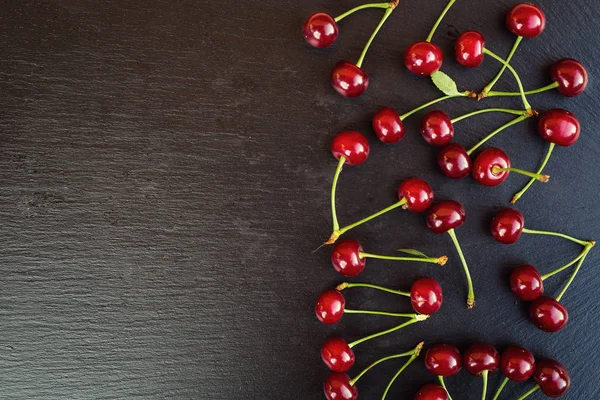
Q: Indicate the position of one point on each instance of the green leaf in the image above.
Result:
(413, 252)
(445, 83)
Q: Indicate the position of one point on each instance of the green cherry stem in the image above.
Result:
(417, 318)
(530, 392)
(490, 85)
(336, 177)
(440, 260)
(520, 193)
(515, 74)
(471, 295)
(562, 235)
(384, 359)
(551, 86)
(432, 102)
(574, 274)
(487, 110)
(382, 313)
(484, 375)
(347, 285)
(567, 265)
(388, 12)
(361, 7)
(491, 135)
(504, 382)
(441, 379)
(533, 175)
(439, 20)
(406, 364)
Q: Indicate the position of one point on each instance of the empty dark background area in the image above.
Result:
(165, 172)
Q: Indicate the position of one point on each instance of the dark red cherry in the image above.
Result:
(418, 194)
(571, 75)
(469, 49)
(320, 30)
(526, 283)
(346, 258)
(426, 296)
(481, 357)
(432, 392)
(387, 126)
(507, 225)
(548, 314)
(436, 128)
(517, 363)
(454, 162)
(559, 126)
(352, 145)
(349, 80)
(337, 387)
(483, 167)
(443, 360)
(445, 215)
(526, 20)
(337, 355)
(423, 58)
(552, 377)
(330, 307)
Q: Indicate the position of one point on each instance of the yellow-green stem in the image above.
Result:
(432, 102)
(361, 7)
(441, 379)
(504, 382)
(336, 177)
(533, 390)
(471, 295)
(490, 85)
(487, 110)
(386, 15)
(574, 274)
(551, 86)
(542, 178)
(387, 331)
(491, 135)
(406, 364)
(562, 235)
(520, 193)
(382, 313)
(347, 285)
(515, 74)
(484, 375)
(567, 265)
(384, 359)
(393, 258)
(439, 20)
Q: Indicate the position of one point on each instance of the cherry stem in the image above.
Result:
(484, 375)
(574, 274)
(336, 177)
(471, 295)
(490, 85)
(515, 74)
(418, 318)
(562, 235)
(347, 285)
(439, 20)
(491, 135)
(533, 390)
(382, 313)
(432, 102)
(412, 352)
(387, 13)
(551, 86)
(520, 193)
(567, 265)
(441, 378)
(487, 110)
(504, 382)
(361, 7)
(542, 178)
(440, 260)
(406, 364)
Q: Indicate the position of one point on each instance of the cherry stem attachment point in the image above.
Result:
(574, 274)
(542, 178)
(382, 313)
(361, 7)
(533, 390)
(441, 379)
(439, 20)
(440, 260)
(487, 110)
(386, 15)
(406, 364)
(562, 235)
(471, 294)
(504, 382)
(484, 375)
(432, 102)
(567, 265)
(551, 86)
(491, 135)
(418, 318)
(515, 74)
(520, 193)
(490, 85)
(336, 177)
(416, 350)
(347, 285)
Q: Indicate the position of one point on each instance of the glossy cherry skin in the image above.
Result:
(418, 194)
(353, 145)
(517, 363)
(445, 215)
(526, 283)
(526, 20)
(481, 357)
(337, 387)
(560, 127)
(571, 75)
(483, 167)
(349, 80)
(426, 296)
(423, 58)
(454, 162)
(436, 128)
(346, 258)
(443, 360)
(330, 307)
(552, 377)
(432, 392)
(548, 314)
(507, 226)
(469, 49)
(337, 355)
(388, 127)
(320, 30)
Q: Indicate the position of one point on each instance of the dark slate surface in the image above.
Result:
(164, 174)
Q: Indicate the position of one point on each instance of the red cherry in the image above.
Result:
(571, 75)
(352, 145)
(337, 355)
(526, 283)
(320, 30)
(346, 258)
(454, 161)
(432, 392)
(349, 80)
(387, 126)
(418, 194)
(485, 163)
(526, 20)
(481, 357)
(507, 225)
(426, 296)
(330, 307)
(337, 387)
(445, 215)
(443, 360)
(548, 314)
(436, 128)
(469, 49)
(517, 363)
(423, 58)
(560, 127)
(552, 377)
